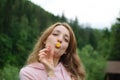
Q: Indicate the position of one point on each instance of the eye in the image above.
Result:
(66, 39)
(55, 34)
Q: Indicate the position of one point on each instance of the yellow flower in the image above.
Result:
(58, 45)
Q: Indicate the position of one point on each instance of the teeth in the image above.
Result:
(58, 45)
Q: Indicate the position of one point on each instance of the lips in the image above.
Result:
(58, 45)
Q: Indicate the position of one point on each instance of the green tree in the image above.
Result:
(115, 46)
(103, 42)
(94, 63)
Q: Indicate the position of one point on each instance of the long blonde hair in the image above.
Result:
(70, 60)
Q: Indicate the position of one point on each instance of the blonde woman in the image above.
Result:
(54, 56)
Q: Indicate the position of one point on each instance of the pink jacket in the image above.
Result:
(36, 71)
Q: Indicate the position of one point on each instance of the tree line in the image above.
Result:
(22, 22)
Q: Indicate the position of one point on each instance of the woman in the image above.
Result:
(54, 56)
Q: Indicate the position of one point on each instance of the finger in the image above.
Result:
(43, 50)
(42, 55)
(47, 51)
(51, 52)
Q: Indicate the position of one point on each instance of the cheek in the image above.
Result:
(49, 41)
(65, 47)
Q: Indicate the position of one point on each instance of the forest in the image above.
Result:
(22, 22)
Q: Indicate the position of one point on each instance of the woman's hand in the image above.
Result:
(46, 57)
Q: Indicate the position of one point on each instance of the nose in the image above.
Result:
(59, 39)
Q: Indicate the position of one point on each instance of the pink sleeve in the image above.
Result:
(24, 75)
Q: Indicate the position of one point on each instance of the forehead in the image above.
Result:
(62, 29)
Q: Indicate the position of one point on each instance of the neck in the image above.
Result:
(56, 61)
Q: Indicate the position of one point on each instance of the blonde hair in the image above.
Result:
(70, 60)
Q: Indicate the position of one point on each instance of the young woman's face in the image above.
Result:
(59, 34)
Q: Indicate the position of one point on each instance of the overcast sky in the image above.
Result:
(98, 13)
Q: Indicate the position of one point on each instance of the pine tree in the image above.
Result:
(115, 48)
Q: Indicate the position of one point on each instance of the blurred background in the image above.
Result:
(21, 23)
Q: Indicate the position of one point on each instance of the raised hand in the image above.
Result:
(46, 57)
